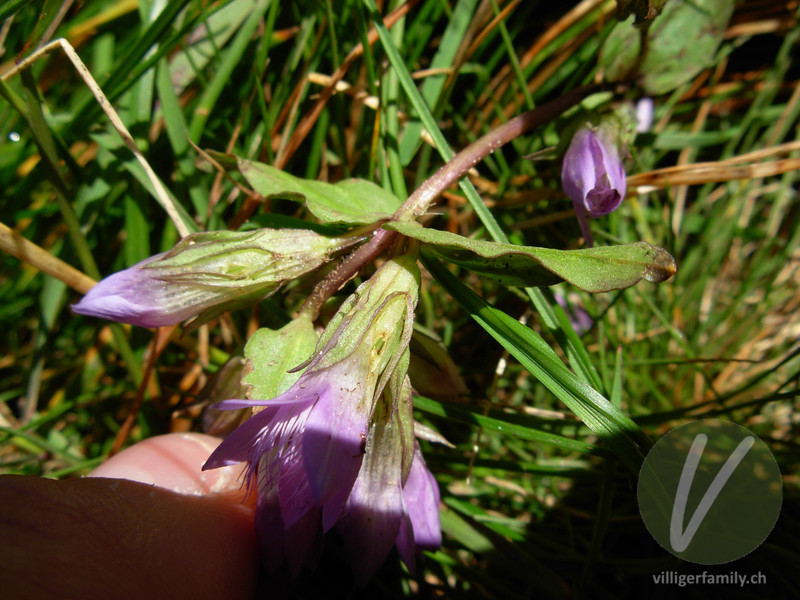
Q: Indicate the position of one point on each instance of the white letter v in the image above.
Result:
(681, 540)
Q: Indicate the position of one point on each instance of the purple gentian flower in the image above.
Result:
(207, 273)
(645, 109)
(580, 320)
(135, 296)
(395, 499)
(304, 450)
(593, 176)
(335, 450)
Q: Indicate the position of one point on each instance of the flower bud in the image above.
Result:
(593, 175)
(208, 273)
(645, 109)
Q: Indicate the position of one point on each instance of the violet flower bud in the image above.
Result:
(208, 273)
(645, 109)
(593, 175)
(395, 499)
(580, 319)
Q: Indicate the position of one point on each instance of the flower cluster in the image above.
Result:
(337, 448)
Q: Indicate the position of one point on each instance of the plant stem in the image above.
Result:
(422, 198)
(345, 270)
(470, 156)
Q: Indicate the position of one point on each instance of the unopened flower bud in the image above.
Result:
(209, 271)
(645, 109)
(593, 175)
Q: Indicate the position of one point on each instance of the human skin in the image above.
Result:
(183, 533)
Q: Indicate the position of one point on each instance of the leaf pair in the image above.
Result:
(359, 202)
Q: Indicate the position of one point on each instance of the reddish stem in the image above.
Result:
(419, 202)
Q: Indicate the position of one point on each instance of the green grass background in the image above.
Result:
(538, 499)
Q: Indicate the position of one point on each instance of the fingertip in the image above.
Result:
(174, 461)
(111, 538)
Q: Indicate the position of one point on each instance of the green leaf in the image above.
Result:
(533, 353)
(352, 201)
(503, 424)
(590, 269)
(211, 35)
(645, 10)
(432, 371)
(432, 87)
(137, 233)
(681, 43)
(271, 353)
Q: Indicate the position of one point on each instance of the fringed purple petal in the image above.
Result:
(238, 404)
(335, 431)
(421, 495)
(281, 420)
(373, 514)
(296, 498)
(303, 542)
(243, 443)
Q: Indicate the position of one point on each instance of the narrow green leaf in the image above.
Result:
(457, 528)
(216, 30)
(47, 15)
(137, 233)
(616, 389)
(591, 269)
(432, 88)
(128, 68)
(354, 201)
(10, 7)
(230, 59)
(533, 353)
(501, 424)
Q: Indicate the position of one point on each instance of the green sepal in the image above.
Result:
(246, 259)
(433, 373)
(273, 354)
(378, 313)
